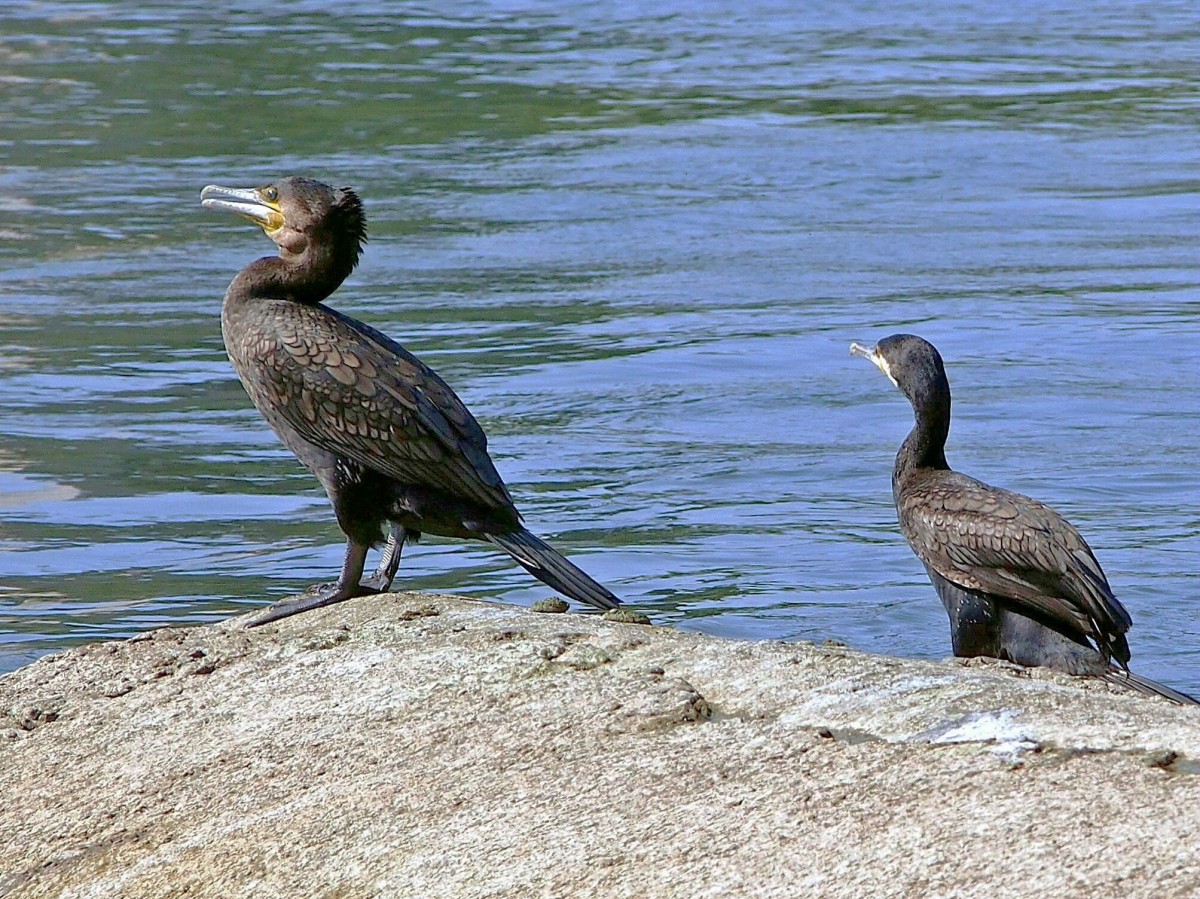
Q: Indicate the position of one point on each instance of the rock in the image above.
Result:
(418, 745)
(627, 616)
(551, 604)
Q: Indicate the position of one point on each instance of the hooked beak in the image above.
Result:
(872, 355)
(246, 202)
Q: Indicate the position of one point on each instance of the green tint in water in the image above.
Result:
(639, 250)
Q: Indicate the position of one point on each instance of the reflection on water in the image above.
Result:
(639, 250)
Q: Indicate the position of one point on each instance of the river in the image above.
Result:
(639, 247)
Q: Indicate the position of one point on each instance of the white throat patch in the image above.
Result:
(883, 366)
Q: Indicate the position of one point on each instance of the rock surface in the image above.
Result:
(430, 746)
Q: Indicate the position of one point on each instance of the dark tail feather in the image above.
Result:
(1148, 687)
(546, 564)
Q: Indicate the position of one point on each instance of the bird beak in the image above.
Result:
(248, 203)
(872, 355)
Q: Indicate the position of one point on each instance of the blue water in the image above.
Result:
(639, 249)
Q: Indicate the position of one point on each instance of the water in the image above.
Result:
(639, 248)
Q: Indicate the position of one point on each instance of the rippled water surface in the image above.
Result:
(639, 248)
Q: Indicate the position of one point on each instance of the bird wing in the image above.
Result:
(353, 391)
(994, 541)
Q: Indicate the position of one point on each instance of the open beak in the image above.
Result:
(867, 352)
(872, 355)
(246, 202)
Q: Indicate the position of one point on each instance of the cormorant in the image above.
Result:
(389, 441)
(1017, 579)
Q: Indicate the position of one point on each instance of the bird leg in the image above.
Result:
(389, 562)
(347, 587)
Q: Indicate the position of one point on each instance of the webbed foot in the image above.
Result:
(325, 595)
(347, 587)
(351, 584)
(378, 582)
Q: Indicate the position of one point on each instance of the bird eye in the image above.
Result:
(271, 194)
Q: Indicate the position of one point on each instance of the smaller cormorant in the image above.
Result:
(1017, 579)
(390, 442)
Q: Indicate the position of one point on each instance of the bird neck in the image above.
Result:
(925, 446)
(308, 277)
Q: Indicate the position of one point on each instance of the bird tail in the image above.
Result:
(1148, 687)
(546, 564)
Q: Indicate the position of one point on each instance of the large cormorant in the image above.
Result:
(1017, 579)
(390, 442)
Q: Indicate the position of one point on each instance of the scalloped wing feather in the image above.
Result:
(354, 392)
(1003, 543)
